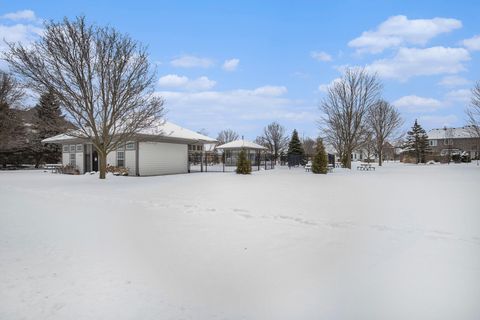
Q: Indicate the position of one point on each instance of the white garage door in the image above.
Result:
(155, 158)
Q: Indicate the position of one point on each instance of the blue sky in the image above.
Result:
(244, 64)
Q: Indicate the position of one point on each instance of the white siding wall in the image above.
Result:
(79, 161)
(65, 158)
(156, 158)
(130, 161)
(112, 158)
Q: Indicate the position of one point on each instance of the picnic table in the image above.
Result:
(54, 167)
(338, 165)
(365, 167)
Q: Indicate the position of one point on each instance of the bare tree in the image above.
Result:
(345, 109)
(384, 121)
(11, 91)
(473, 115)
(102, 78)
(274, 138)
(12, 133)
(473, 110)
(309, 146)
(227, 135)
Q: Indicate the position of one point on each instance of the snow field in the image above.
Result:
(399, 242)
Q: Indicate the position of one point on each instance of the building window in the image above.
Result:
(130, 146)
(79, 148)
(432, 143)
(65, 148)
(121, 146)
(72, 148)
(120, 158)
(73, 159)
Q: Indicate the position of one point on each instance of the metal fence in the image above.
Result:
(215, 162)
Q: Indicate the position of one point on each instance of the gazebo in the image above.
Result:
(255, 153)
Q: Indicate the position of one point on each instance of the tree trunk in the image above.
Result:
(380, 158)
(103, 164)
(348, 160)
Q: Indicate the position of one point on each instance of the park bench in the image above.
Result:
(365, 167)
(54, 167)
(308, 166)
(330, 168)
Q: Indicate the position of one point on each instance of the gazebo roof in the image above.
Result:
(241, 144)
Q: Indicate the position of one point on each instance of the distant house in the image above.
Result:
(448, 141)
(163, 149)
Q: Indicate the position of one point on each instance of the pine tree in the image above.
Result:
(243, 164)
(417, 143)
(12, 135)
(320, 161)
(48, 122)
(295, 152)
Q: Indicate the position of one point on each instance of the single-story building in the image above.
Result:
(160, 150)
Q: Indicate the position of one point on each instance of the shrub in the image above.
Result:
(320, 161)
(243, 164)
(118, 171)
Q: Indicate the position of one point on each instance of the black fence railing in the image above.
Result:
(215, 162)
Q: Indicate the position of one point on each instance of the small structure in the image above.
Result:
(258, 155)
(161, 149)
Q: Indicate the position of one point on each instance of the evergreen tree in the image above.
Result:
(295, 152)
(48, 122)
(417, 142)
(243, 164)
(320, 161)
(12, 135)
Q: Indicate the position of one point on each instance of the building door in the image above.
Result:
(94, 160)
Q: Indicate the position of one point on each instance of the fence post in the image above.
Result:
(259, 160)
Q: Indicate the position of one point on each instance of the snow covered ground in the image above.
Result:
(399, 243)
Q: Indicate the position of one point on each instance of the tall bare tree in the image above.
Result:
(12, 132)
(309, 145)
(473, 111)
(102, 78)
(226, 136)
(274, 138)
(345, 108)
(473, 116)
(384, 120)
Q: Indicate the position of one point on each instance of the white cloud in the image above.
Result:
(453, 81)
(231, 64)
(183, 82)
(410, 62)
(20, 15)
(188, 61)
(173, 80)
(415, 103)
(221, 107)
(324, 87)
(272, 91)
(398, 31)
(21, 33)
(472, 44)
(321, 56)
(431, 121)
(460, 95)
